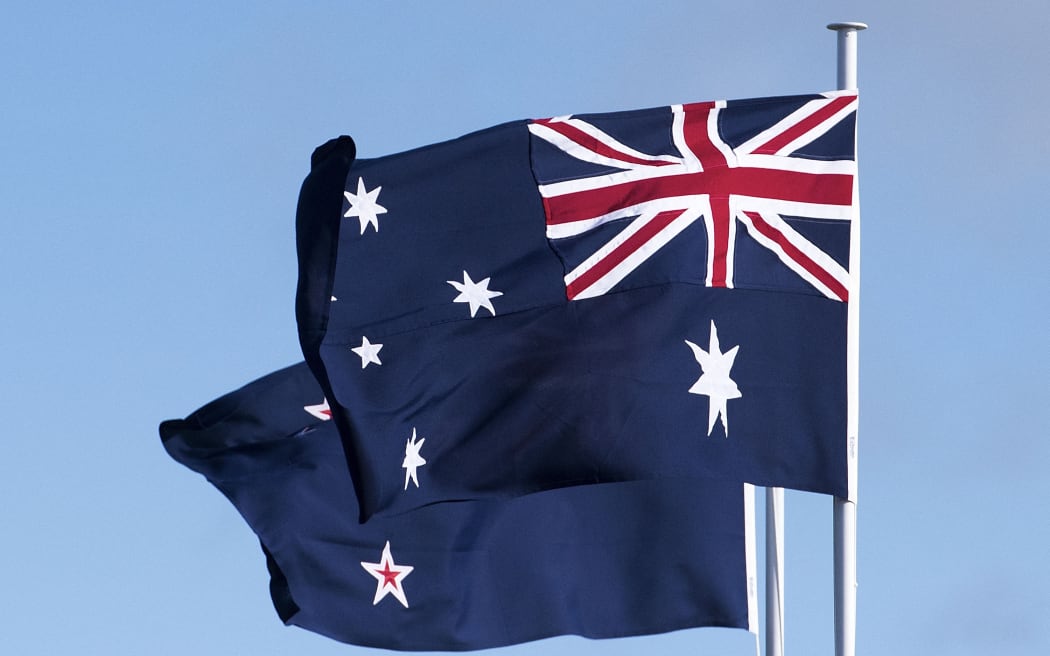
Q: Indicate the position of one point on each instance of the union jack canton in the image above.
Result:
(620, 188)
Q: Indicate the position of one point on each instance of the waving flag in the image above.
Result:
(587, 299)
(711, 177)
(600, 561)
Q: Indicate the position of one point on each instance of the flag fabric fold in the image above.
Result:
(599, 561)
(587, 299)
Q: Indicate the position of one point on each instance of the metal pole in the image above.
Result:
(847, 53)
(845, 510)
(751, 558)
(845, 577)
(774, 571)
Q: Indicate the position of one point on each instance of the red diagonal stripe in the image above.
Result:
(774, 145)
(819, 272)
(592, 144)
(621, 253)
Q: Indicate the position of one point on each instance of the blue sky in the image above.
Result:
(151, 162)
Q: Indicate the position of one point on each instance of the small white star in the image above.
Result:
(475, 293)
(368, 351)
(412, 460)
(363, 205)
(715, 382)
(321, 410)
(388, 576)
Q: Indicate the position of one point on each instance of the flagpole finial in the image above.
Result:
(838, 27)
(847, 55)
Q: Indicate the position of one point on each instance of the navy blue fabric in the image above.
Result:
(599, 561)
(550, 393)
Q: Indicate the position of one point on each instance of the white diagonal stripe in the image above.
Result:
(793, 119)
(819, 257)
(818, 130)
(579, 151)
(631, 262)
(609, 180)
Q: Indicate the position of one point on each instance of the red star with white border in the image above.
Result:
(388, 576)
(322, 410)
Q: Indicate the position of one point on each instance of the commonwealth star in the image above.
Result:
(715, 382)
(413, 460)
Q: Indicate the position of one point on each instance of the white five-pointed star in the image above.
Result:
(368, 351)
(412, 460)
(475, 293)
(388, 576)
(363, 205)
(321, 410)
(715, 382)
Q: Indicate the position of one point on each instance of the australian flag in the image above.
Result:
(600, 561)
(588, 299)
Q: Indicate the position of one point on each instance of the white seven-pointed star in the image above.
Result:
(715, 382)
(368, 351)
(321, 410)
(388, 576)
(412, 460)
(363, 205)
(475, 293)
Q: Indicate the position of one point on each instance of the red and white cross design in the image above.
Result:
(753, 184)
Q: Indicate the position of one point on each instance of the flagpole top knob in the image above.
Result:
(839, 27)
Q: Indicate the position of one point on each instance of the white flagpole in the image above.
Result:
(751, 560)
(774, 571)
(845, 510)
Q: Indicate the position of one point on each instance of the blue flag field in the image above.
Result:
(587, 299)
(599, 561)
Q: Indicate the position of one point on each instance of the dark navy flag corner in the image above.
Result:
(599, 561)
(588, 299)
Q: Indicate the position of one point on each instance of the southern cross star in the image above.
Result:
(388, 576)
(715, 382)
(322, 410)
(363, 205)
(475, 293)
(368, 352)
(413, 460)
